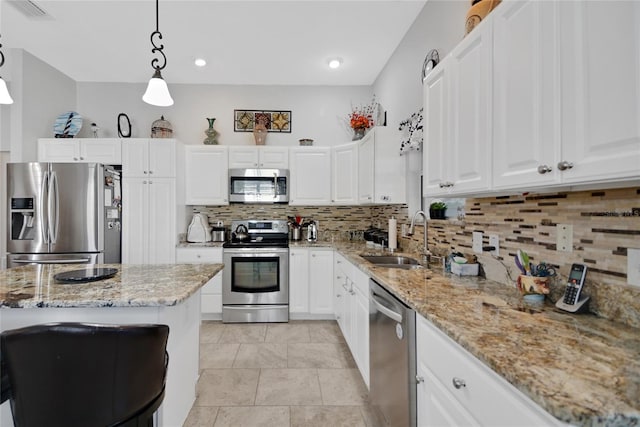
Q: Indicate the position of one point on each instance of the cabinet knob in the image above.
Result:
(75, 159)
(81, 158)
(338, 262)
(255, 164)
(458, 383)
(338, 277)
(198, 256)
(150, 182)
(338, 295)
(144, 182)
(419, 379)
(150, 172)
(542, 169)
(564, 165)
(313, 255)
(144, 172)
(352, 292)
(384, 198)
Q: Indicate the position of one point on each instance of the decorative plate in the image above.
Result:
(67, 125)
(430, 61)
(88, 275)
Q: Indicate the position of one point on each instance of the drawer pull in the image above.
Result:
(419, 379)
(458, 383)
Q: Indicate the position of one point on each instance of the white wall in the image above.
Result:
(440, 25)
(316, 110)
(40, 94)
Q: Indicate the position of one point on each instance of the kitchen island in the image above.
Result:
(166, 294)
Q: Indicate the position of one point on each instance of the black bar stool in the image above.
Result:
(84, 375)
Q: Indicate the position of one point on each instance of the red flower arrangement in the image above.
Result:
(359, 121)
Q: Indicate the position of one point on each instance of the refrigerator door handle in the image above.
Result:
(44, 224)
(53, 261)
(53, 208)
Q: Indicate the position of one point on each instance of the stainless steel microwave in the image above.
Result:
(259, 185)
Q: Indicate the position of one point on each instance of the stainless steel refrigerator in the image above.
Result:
(61, 213)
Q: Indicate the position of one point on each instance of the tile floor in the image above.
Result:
(299, 373)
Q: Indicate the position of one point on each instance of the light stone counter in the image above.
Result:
(164, 294)
(582, 369)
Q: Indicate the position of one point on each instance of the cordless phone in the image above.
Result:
(572, 301)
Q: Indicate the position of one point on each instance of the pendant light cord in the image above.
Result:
(157, 48)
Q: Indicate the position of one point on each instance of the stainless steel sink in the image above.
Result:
(390, 261)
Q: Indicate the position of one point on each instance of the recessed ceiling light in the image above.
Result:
(200, 62)
(335, 63)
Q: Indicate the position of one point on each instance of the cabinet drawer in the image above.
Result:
(486, 395)
(199, 255)
(211, 304)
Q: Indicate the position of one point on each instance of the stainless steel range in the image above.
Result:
(255, 280)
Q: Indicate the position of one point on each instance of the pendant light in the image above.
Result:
(157, 92)
(5, 98)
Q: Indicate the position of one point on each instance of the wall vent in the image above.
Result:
(30, 8)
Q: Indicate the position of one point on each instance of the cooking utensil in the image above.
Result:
(519, 264)
(524, 261)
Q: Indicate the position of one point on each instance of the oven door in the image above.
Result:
(255, 276)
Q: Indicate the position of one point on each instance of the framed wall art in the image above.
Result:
(275, 121)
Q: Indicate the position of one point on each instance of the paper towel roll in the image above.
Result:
(393, 233)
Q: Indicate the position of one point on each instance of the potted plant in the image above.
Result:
(437, 210)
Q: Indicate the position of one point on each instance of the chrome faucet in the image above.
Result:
(426, 253)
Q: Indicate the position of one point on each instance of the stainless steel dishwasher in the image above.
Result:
(392, 353)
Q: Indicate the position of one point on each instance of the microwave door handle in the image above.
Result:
(275, 185)
(44, 193)
(52, 202)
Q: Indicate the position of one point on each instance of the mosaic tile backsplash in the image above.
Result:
(605, 224)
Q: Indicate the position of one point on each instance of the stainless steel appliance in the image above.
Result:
(255, 279)
(259, 185)
(392, 349)
(62, 213)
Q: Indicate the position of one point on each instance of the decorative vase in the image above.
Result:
(260, 133)
(358, 133)
(212, 134)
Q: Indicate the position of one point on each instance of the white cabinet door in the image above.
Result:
(526, 105)
(135, 220)
(243, 157)
(101, 150)
(345, 174)
(321, 281)
(273, 157)
(469, 146)
(144, 157)
(360, 312)
(366, 173)
(162, 221)
(600, 63)
(81, 150)
(206, 178)
(310, 176)
(435, 161)
(340, 293)
(298, 280)
(390, 168)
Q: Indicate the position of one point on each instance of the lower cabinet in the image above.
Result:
(211, 293)
(454, 388)
(310, 282)
(351, 308)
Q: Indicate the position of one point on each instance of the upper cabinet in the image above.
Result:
(207, 180)
(248, 157)
(310, 169)
(600, 80)
(345, 174)
(562, 106)
(457, 111)
(381, 169)
(526, 97)
(153, 157)
(80, 150)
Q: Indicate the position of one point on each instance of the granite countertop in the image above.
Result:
(185, 244)
(34, 286)
(582, 369)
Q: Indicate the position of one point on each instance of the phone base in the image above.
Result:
(580, 306)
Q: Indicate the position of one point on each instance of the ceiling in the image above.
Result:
(244, 42)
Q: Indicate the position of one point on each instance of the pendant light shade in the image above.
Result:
(157, 92)
(5, 98)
